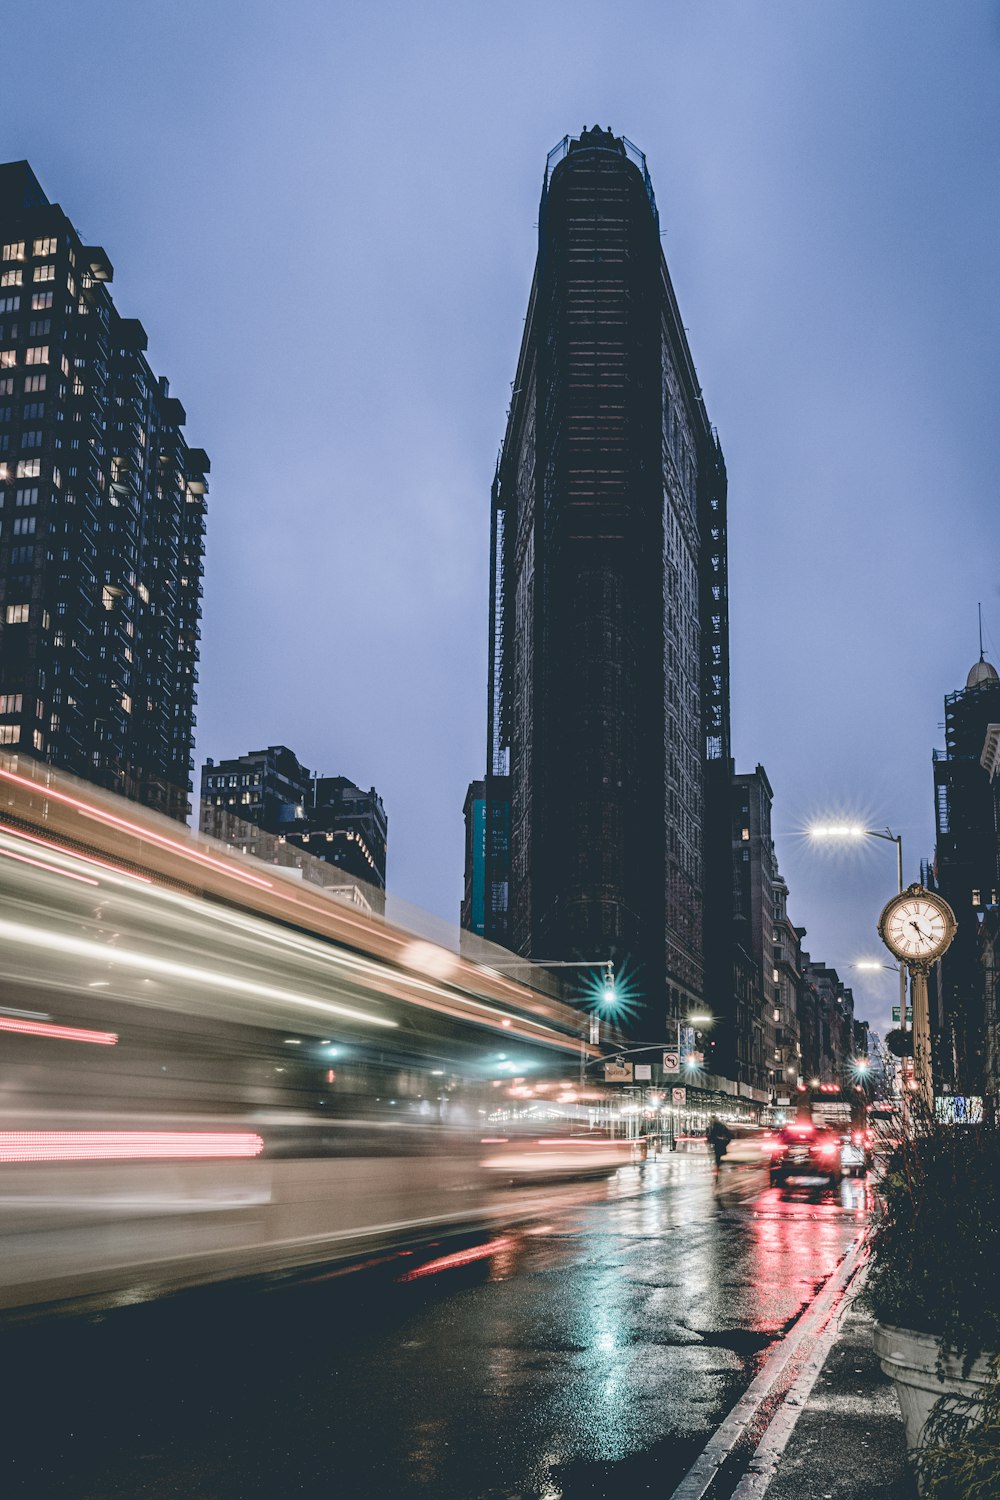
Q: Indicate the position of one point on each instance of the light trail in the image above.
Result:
(60, 1033)
(102, 953)
(118, 1145)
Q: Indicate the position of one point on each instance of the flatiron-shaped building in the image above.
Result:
(607, 785)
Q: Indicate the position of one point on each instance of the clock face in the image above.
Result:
(916, 928)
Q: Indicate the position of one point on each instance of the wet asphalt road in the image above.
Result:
(588, 1353)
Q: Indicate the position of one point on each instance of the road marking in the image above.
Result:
(819, 1318)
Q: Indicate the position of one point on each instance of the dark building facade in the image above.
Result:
(609, 671)
(102, 521)
(269, 788)
(347, 827)
(325, 816)
(473, 915)
(965, 871)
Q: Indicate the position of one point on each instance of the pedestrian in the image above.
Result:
(719, 1136)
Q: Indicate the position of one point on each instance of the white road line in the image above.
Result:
(720, 1445)
(764, 1463)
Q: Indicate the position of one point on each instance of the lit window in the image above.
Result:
(775, 976)
(45, 247)
(37, 354)
(45, 273)
(976, 899)
(26, 495)
(24, 525)
(10, 734)
(8, 359)
(28, 468)
(10, 703)
(37, 739)
(40, 301)
(126, 703)
(34, 383)
(14, 251)
(17, 614)
(777, 1014)
(11, 278)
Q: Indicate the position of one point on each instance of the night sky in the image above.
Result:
(324, 216)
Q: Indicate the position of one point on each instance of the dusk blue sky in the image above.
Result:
(324, 216)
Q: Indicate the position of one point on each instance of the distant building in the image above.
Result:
(966, 874)
(327, 817)
(609, 652)
(473, 916)
(754, 874)
(268, 788)
(102, 521)
(826, 1024)
(345, 826)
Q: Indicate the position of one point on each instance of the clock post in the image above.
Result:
(917, 927)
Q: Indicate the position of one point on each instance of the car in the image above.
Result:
(856, 1153)
(804, 1155)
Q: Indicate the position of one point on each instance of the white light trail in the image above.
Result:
(72, 947)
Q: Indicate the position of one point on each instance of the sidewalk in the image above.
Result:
(848, 1442)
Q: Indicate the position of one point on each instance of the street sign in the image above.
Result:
(896, 1011)
(618, 1072)
(643, 1071)
(679, 1096)
(671, 1062)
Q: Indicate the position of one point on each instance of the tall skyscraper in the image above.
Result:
(608, 737)
(102, 520)
(965, 872)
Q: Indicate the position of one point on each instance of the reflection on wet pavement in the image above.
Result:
(591, 1350)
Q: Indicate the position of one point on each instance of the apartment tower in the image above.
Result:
(102, 520)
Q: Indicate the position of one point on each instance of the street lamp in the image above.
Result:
(853, 831)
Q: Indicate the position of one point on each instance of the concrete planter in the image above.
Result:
(910, 1361)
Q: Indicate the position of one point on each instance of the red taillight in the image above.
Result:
(826, 1148)
(856, 1137)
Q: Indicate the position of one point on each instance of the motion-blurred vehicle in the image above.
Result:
(520, 1156)
(805, 1155)
(749, 1147)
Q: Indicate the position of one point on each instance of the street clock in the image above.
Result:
(917, 926)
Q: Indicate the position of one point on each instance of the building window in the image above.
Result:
(745, 834)
(777, 1014)
(8, 359)
(39, 302)
(17, 614)
(976, 899)
(34, 383)
(39, 327)
(45, 247)
(31, 439)
(24, 525)
(14, 250)
(37, 354)
(26, 495)
(10, 703)
(45, 273)
(11, 278)
(10, 734)
(9, 304)
(28, 468)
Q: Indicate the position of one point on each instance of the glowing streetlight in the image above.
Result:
(853, 832)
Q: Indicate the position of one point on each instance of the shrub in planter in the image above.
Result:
(960, 1455)
(935, 1240)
